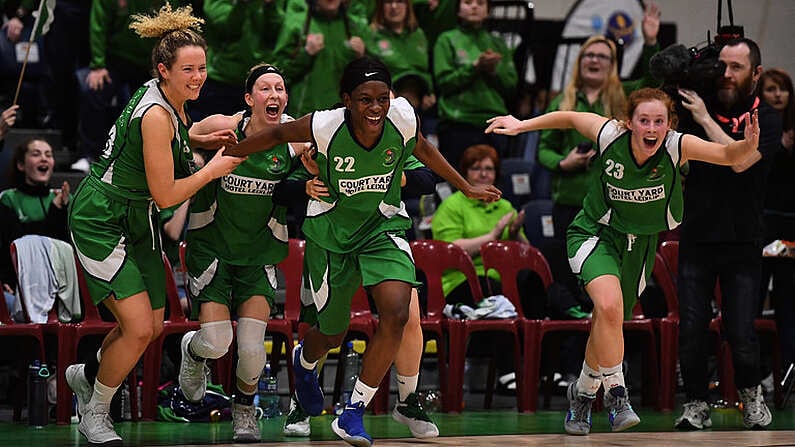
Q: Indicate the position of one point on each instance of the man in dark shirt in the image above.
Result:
(721, 239)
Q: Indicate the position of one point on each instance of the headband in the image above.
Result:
(354, 77)
(259, 71)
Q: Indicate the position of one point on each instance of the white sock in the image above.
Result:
(362, 393)
(612, 377)
(307, 365)
(102, 395)
(406, 385)
(589, 381)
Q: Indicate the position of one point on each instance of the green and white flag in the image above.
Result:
(44, 17)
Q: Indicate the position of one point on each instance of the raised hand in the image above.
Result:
(61, 198)
(751, 132)
(651, 23)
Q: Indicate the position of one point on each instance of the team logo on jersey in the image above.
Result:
(277, 165)
(389, 157)
(640, 195)
(655, 175)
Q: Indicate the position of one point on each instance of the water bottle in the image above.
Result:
(268, 393)
(350, 365)
(37, 394)
(126, 411)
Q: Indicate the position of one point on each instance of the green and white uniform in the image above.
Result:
(357, 234)
(235, 232)
(113, 219)
(616, 231)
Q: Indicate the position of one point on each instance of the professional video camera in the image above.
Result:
(695, 68)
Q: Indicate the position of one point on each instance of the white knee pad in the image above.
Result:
(250, 349)
(212, 340)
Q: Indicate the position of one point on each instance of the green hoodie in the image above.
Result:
(466, 95)
(239, 35)
(404, 54)
(110, 36)
(569, 188)
(314, 80)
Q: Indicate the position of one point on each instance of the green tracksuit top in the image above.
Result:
(404, 54)
(314, 80)
(235, 217)
(363, 184)
(120, 167)
(635, 199)
(110, 36)
(467, 96)
(239, 35)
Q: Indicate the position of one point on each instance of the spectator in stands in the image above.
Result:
(239, 35)
(314, 49)
(775, 88)
(17, 20)
(474, 73)
(401, 45)
(470, 223)
(30, 205)
(436, 17)
(594, 87)
(721, 238)
(120, 62)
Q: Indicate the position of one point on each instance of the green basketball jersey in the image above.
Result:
(235, 217)
(363, 184)
(632, 198)
(121, 164)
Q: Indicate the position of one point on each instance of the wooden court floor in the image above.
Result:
(501, 428)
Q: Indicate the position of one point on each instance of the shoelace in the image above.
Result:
(580, 410)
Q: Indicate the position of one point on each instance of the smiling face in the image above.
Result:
(187, 74)
(268, 98)
(368, 104)
(596, 60)
(38, 163)
(649, 125)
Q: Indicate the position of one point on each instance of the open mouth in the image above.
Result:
(272, 110)
(373, 120)
(649, 142)
(43, 168)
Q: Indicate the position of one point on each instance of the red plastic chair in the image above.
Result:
(509, 258)
(668, 331)
(26, 331)
(433, 258)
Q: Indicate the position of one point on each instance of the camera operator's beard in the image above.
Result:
(729, 94)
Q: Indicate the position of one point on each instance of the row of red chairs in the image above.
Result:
(432, 258)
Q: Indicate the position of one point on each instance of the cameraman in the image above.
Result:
(721, 238)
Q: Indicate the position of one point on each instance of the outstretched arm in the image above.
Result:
(430, 156)
(588, 124)
(214, 131)
(292, 131)
(694, 148)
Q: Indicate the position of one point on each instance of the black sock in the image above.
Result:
(244, 399)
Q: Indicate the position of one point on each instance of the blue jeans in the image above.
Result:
(738, 269)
